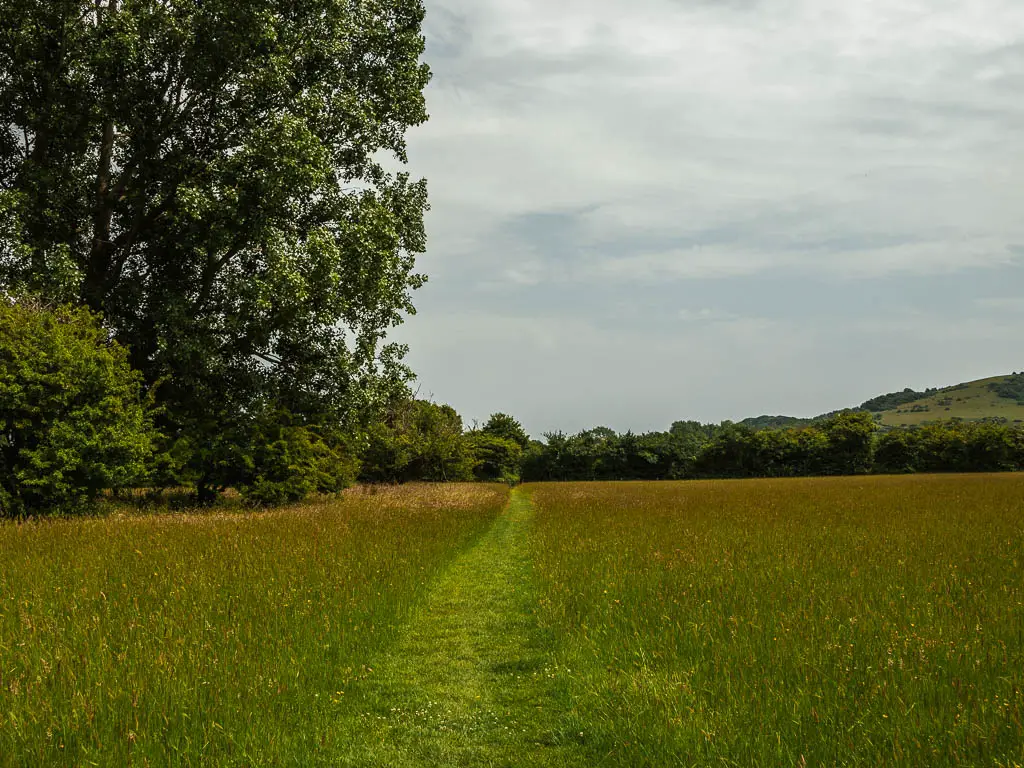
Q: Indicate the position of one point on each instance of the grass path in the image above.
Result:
(468, 685)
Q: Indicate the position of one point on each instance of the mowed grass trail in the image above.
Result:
(470, 683)
(846, 621)
(216, 640)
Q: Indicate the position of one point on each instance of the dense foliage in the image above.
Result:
(841, 445)
(505, 427)
(418, 440)
(895, 399)
(774, 422)
(72, 419)
(845, 444)
(951, 447)
(209, 176)
(495, 459)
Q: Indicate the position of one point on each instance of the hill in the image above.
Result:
(998, 398)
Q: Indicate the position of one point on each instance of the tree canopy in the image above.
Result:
(506, 427)
(211, 178)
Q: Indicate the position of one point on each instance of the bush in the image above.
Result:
(285, 462)
(270, 458)
(72, 419)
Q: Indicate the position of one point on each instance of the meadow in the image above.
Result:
(845, 621)
(833, 621)
(212, 639)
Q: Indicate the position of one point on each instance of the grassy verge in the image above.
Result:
(852, 621)
(216, 639)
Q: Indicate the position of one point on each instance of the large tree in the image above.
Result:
(212, 177)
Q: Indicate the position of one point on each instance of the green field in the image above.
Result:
(972, 401)
(213, 639)
(843, 621)
(847, 621)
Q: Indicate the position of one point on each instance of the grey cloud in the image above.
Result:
(694, 185)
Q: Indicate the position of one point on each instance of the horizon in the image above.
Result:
(663, 213)
(475, 422)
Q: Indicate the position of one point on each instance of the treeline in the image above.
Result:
(842, 444)
(76, 423)
(895, 399)
(425, 441)
(846, 444)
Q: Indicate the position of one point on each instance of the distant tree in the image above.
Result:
(732, 453)
(895, 399)
(960, 446)
(775, 422)
(72, 419)
(538, 462)
(688, 439)
(506, 427)
(897, 452)
(418, 440)
(495, 458)
(850, 442)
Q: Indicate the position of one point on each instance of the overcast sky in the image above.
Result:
(655, 210)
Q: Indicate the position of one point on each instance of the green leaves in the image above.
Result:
(208, 176)
(419, 440)
(72, 422)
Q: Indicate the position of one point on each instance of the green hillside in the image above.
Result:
(996, 398)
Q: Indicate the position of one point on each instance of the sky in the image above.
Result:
(657, 210)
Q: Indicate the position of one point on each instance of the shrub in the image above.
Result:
(72, 419)
(285, 462)
(271, 457)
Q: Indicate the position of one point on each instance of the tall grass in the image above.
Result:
(853, 621)
(214, 639)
